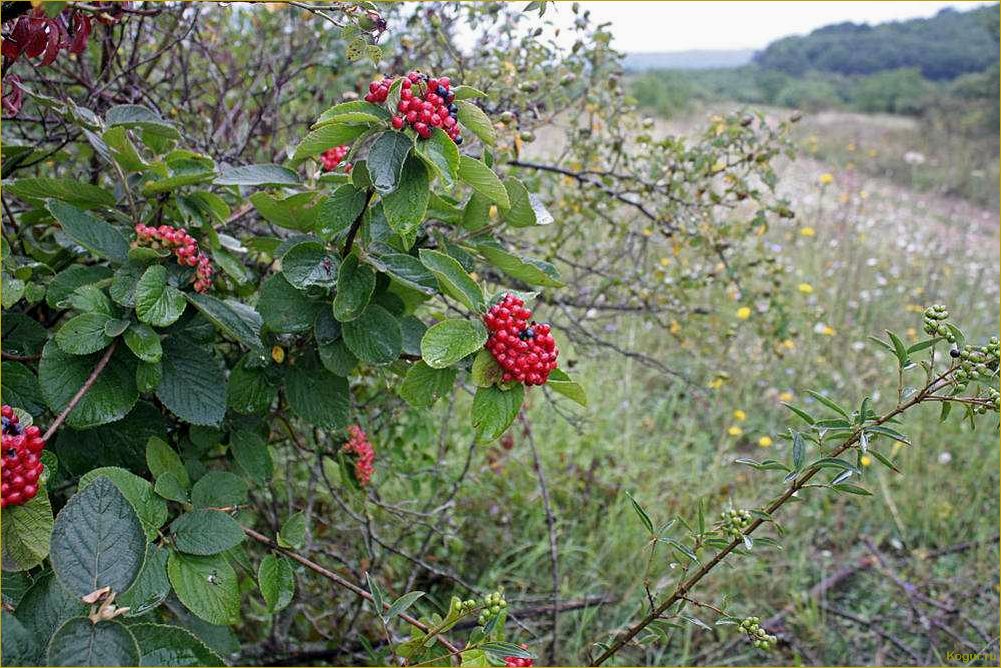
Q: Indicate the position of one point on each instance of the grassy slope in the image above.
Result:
(880, 252)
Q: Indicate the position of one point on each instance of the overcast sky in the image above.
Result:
(679, 26)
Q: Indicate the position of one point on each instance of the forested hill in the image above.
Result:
(942, 47)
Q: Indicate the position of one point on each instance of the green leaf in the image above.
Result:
(277, 582)
(852, 489)
(486, 371)
(151, 586)
(43, 608)
(92, 233)
(170, 488)
(143, 342)
(309, 263)
(84, 334)
(401, 604)
(453, 279)
(647, 522)
(194, 384)
(448, 341)
(374, 336)
(149, 508)
(110, 398)
(526, 209)
(257, 175)
(20, 387)
(406, 205)
(207, 586)
(352, 108)
(162, 459)
(26, 532)
(317, 396)
(157, 303)
(79, 642)
(219, 489)
(809, 419)
(798, 451)
(385, 160)
(293, 531)
(163, 645)
(68, 280)
(326, 137)
(97, 540)
(339, 210)
(123, 151)
(121, 443)
(204, 532)
(899, 349)
(234, 319)
(423, 385)
(250, 389)
(20, 646)
(355, 285)
(500, 649)
(529, 270)
(829, 403)
(24, 336)
(250, 451)
(494, 410)
(467, 92)
(406, 269)
(560, 382)
(284, 309)
(72, 191)
(142, 118)
(472, 118)
(441, 153)
(483, 180)
(296, 212)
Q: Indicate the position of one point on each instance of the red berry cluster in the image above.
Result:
(183, 246)
(359, 448)
(425, 103)
(526, 351)
(20, 462)
(333, 157)
(517, 662)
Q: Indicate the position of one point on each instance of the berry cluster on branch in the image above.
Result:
(757, 634)
(183, 246)
(360, 449)
(20, 463)
(425, 103)
(526, 351)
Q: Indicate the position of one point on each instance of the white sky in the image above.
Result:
(679, 26)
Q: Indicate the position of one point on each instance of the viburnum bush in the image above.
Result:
(226, 315)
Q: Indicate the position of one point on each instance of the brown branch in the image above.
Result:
(14, 357)
(337, 579)
(87, 384)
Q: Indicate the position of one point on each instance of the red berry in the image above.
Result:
(398, 122)
(361, 450)
(525, 351)
(20, 463)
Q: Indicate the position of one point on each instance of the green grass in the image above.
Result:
(873, 263)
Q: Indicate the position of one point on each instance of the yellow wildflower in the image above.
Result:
(808, 232)
(664, 261)
(765, 441)
(675, 327)
(865, 460)
(828, 331)
(744, 312)
(805, 288)
(785, 396)
(826, 179)
(735, 431)
(739, 415)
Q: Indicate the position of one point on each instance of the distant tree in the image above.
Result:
(943, 47)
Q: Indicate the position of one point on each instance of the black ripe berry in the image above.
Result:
(954, 352)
